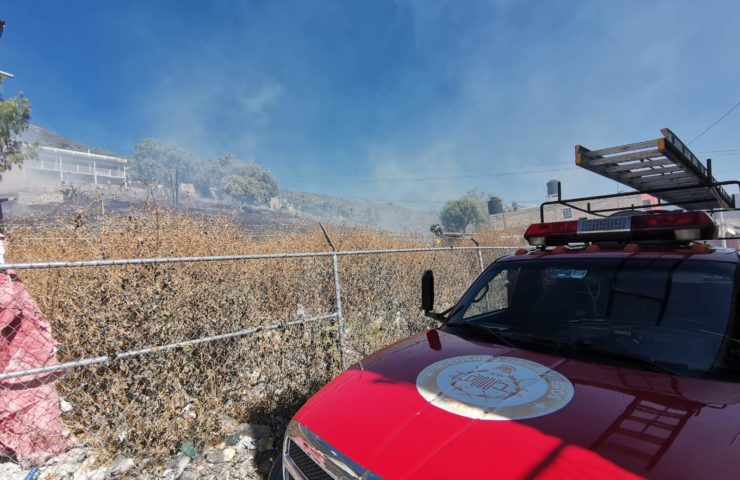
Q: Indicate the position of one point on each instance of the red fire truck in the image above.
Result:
(609, 350)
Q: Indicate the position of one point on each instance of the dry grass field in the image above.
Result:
(152, 403)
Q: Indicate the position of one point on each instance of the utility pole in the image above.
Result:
(2, 220)
(722, 229)
(4, 74)
(175, 186)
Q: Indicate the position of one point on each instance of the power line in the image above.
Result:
(727, 150)
(420, 172)
(726, 154)
(715, 123)
(409, 178)
(464, 171)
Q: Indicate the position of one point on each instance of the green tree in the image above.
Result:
(245, 181)
(157, 162)
(457, 214)
(15, 114)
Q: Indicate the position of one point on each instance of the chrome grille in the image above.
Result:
(306, 456)
(309, 468)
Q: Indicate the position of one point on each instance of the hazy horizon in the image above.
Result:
(404, 101)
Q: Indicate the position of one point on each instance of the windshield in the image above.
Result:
(669, 312)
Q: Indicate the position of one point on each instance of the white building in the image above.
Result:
(52, 166)
(73, 166)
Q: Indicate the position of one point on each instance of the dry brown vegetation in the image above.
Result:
(152, 403)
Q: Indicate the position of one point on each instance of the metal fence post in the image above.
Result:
(480, 254)
(337, 284)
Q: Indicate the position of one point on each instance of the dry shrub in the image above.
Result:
(152, 403)
(507, 237)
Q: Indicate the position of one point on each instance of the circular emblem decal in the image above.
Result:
(494, 388)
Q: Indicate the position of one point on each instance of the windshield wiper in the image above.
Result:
(635, 360)
(487, 331)
(589, 348)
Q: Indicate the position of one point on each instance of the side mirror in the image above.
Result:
(427, 291)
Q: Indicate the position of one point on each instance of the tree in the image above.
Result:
(245, 181)
(457, 214)
(15, 114)
(154, 161)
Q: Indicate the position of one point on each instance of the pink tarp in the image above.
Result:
(30, 423)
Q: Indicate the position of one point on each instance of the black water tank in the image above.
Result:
(495, 205)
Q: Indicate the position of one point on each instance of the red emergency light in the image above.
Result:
(669, 227)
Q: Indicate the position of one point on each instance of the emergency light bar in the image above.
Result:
(668, 227)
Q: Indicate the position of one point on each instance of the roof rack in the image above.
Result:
(664, 167)
(659, 193)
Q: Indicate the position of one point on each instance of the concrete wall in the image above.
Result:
(557, 213)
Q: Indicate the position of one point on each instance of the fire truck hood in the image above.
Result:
(440, 406)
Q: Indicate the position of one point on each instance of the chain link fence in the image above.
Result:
(151, 353)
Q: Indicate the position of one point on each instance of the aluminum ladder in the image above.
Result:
(660, 164)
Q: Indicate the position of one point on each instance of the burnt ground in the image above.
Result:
(86, 210)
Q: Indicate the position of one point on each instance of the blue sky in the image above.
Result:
(408, 101)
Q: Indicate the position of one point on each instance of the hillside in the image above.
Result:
(292, 206)
(47, 138)
(386, 216)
